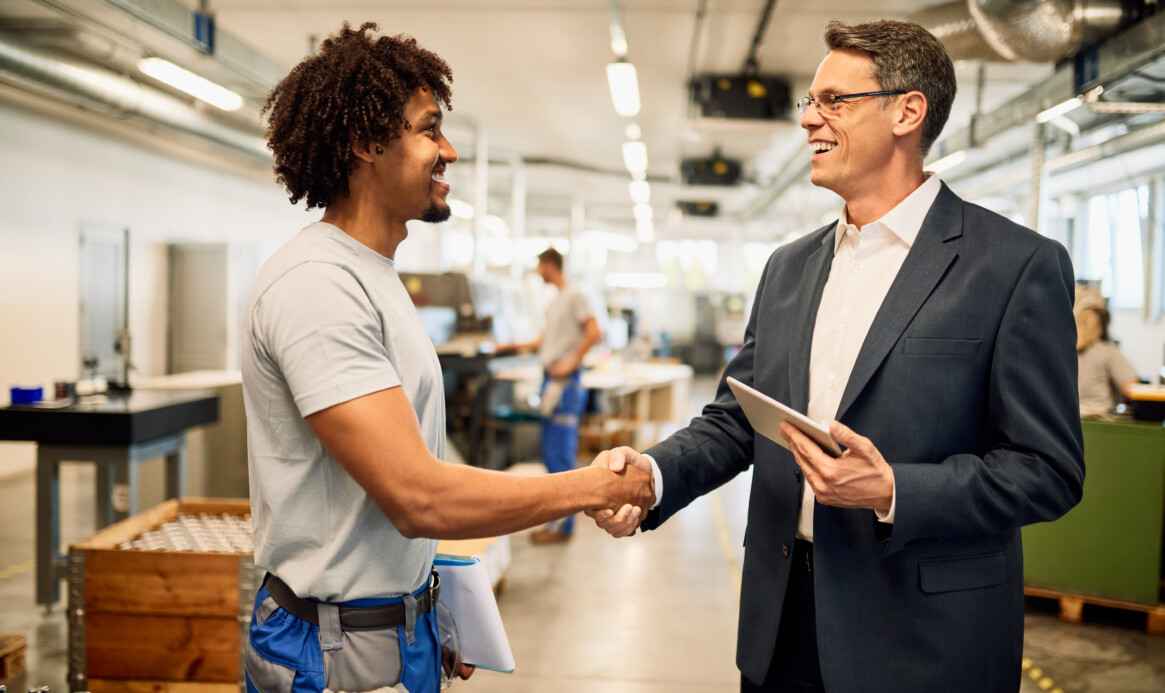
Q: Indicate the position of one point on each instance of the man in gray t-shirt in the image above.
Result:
(571, 330)
(343, 390)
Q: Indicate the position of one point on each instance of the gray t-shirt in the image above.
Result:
(1103, 369)
(328, 321)
(565, 316)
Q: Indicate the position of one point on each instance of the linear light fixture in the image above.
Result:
(185, 80)
(635, 158)
(618, 242)
(637, 280)
(624, 87)
(640, 191)
(645, 231)
(460, 208)
(643, 212)
(1060, 109)
(948, 162)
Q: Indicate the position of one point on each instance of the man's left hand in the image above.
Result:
(860, 478)
(561, 369)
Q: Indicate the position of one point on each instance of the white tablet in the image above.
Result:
(766, 414)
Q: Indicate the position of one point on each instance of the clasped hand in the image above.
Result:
(622, 522)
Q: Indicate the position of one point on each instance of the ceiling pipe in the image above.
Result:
(34, 69)
(1030, 30)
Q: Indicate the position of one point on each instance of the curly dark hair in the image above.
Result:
(353, 90)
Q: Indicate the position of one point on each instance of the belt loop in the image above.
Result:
(410, 603)
(331, 635)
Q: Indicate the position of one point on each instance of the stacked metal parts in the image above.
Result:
(198, 533)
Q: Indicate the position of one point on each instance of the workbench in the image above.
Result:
(117, 433)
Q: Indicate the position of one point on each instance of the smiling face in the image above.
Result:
(849, 147)
(413, 175)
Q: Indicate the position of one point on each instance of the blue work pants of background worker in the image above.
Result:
(563, 401)
(286, 652)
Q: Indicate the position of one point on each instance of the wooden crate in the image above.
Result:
(12, 649)
(157, 620)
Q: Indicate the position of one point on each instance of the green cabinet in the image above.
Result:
(1110, 544)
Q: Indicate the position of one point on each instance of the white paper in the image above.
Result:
(468, 594)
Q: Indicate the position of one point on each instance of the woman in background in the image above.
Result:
(1104, 371)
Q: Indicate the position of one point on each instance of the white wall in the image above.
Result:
(56, 176)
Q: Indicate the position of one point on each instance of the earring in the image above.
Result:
(379, 150)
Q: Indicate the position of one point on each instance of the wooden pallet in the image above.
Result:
(12, 650)
(1072, 607)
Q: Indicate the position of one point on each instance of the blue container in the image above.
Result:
(26, 395)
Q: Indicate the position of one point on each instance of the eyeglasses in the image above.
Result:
(832, 102)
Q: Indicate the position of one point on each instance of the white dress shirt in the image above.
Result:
(865, 263)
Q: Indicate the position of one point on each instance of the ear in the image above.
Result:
(912, 111)
(364, 151)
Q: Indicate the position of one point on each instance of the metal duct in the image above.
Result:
(44, 71)
(953, 24)
(1031, 30)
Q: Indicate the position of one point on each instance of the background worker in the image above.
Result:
(1105, 374)
(571, 330)
(343, 389)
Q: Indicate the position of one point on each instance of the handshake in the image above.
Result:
(622, 518)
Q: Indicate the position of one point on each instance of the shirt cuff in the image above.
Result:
(658, 476)
(888, 518)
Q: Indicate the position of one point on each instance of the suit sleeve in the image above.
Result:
(1033, 470)
(717, 445)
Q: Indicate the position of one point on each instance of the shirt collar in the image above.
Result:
(905, 220)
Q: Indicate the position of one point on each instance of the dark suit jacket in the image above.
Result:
(966, 383)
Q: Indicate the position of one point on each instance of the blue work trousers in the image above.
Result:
(285, 654)
(560, 433)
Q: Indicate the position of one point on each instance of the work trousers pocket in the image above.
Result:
(282, 653)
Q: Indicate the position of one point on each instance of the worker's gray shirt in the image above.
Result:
(328, 321)
(1103, 369)
(565, 317)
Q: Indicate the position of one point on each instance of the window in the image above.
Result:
(1114, 252)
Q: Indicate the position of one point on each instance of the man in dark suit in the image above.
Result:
(937, 338)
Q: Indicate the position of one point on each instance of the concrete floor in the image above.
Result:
(648, 614)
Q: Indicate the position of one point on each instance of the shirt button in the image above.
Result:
(858, 266)
(785, 550)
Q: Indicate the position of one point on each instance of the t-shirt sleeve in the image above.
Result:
(1120, 371)
(580, 307)
(318, 326)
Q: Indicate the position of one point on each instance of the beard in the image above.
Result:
(436, 213)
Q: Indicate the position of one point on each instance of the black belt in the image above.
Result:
(352, 617)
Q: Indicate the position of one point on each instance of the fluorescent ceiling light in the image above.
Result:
(948, 162)
(624, 88)
(495, 225)
(643, 212)
(618, 242)
(1059, 110)
(635, 157)
(632, 131)
(184, 80)
(637, 280)
(460, 208)
(639, 175)
(645, 231)
(640, 191)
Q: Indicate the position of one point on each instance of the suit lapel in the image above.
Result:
(813, 278)
(924, 267)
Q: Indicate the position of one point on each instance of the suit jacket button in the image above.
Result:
(796, 475)
(785, 550)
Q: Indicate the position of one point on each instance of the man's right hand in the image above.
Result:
(625, 521)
